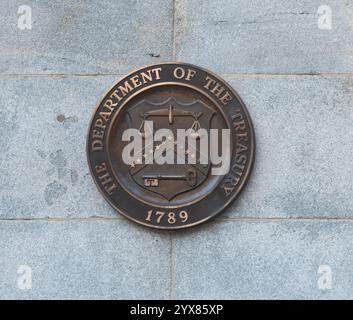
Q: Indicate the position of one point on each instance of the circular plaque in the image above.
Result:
(170, 145)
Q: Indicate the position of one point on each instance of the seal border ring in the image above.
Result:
(247, 170)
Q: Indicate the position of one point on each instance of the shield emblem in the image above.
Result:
(170, 180)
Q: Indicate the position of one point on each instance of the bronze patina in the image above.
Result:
(170, 96)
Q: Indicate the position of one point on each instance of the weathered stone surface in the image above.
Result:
(85, 36)
(90, 259)
(304, 147)
(303, 154)
(264, 36)
(43, 166)
(264, 260)
(293, 216)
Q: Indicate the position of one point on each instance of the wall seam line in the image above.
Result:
(173, 30)
(226, 219)
(172, 268)
(226, 75)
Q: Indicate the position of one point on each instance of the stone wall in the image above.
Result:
(287, 235)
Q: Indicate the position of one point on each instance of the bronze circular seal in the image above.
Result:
(170, 145)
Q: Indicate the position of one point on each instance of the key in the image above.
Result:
(153, 180)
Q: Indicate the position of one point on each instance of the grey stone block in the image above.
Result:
(264, 260)
(304, 147)
(87, 259)
(76, 36)
(264, 36)
(43, 166)
(303, 154)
